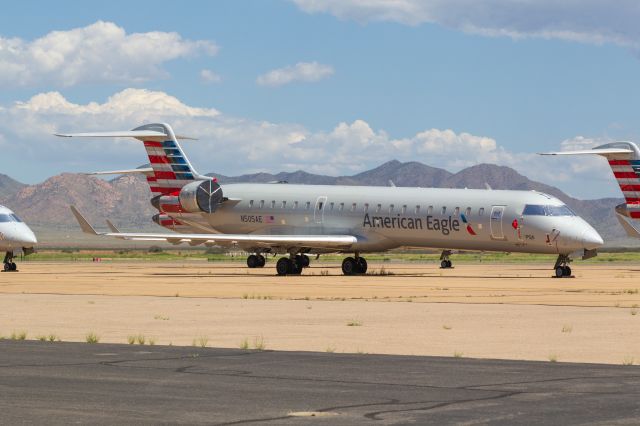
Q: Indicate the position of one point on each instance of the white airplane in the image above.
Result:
(299, 220)
(624, 160)
(15, 235)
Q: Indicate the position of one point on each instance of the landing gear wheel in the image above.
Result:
(362, 265)
(261, 261)
(253, 261)
(349, 266)
(282, 266)
(560, 271)
(7, 267)
(445, 264)
(567, 271)
(305, 261)
(14, 267)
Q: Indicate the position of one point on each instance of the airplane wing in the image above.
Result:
(336, 242)
(122, 134)
(144, 170)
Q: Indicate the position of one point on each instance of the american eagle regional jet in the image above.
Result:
(299, 220)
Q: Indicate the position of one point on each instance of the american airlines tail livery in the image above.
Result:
(300, 220)
(624, 160)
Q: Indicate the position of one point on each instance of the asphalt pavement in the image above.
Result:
(63, 383)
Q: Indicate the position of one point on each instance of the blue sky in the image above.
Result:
(401, 80)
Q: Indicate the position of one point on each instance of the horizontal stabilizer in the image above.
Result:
(122, 134)
(599, 151)
(145, 170)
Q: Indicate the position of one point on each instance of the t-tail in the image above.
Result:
(177, 188)
(624, 160)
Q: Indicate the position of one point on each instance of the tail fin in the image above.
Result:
(624, 160)
(171, 167)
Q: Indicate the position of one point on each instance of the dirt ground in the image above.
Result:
(514, 311)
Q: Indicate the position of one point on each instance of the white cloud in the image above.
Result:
(234, 145)
(587, 21)
(100, 52)
(209, 76)
(302, 71)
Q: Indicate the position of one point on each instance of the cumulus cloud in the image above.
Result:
(234, 145)
(587, 21)
(209, 76)
(100, 52)
(302, 71)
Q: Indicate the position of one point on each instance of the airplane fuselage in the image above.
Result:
(384, 218)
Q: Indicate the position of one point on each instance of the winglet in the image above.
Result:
(112, 227)
(628, 228)
(84, 225)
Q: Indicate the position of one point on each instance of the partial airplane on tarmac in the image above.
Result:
(15, 236)
(624, 160)
(300, 220)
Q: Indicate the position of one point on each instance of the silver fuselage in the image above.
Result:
(384, 218)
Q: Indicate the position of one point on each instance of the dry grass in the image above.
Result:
(92, 338)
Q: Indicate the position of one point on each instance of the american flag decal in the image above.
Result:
(269, 219)
(627, 173)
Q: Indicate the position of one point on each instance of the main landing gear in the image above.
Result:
(256, 261)
(352, 266)
(445, 262)
(561, 267)
(292, 265)
(9, 266)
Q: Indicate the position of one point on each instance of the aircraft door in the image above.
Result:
(318, 211)
(497, 212)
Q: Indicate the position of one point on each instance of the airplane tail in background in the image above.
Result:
(624, 160)
(170, 167)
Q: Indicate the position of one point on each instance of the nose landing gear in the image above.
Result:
(562, 269)
(9, 266)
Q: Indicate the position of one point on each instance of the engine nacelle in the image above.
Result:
(201, 196)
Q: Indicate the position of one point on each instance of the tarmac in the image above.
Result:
(64, 383)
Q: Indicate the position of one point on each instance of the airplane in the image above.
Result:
(301, 220)
(15, 235)
(624, 160)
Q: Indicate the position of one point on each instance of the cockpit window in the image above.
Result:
(4, 217)
(546, 210)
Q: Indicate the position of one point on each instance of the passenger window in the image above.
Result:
(404, 209)
(261, 204)
(378, 208)
(320, 205)
(330, 206)
(456, 211)
(353, 207)
(443, 211)
(481, 211)
(284, 204)
(295, 204)
(430, 210)
(273, 204)
(417, 209)
(308, 205)
(366, 207)
(341, 206)
(250, 204)
(390, 208)
(468, 211)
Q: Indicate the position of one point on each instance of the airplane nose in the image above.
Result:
(591, 239)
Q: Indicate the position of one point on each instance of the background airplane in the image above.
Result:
(299, 220)
(15, 236)
(624, 160)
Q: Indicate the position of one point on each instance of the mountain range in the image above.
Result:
(125, 199)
